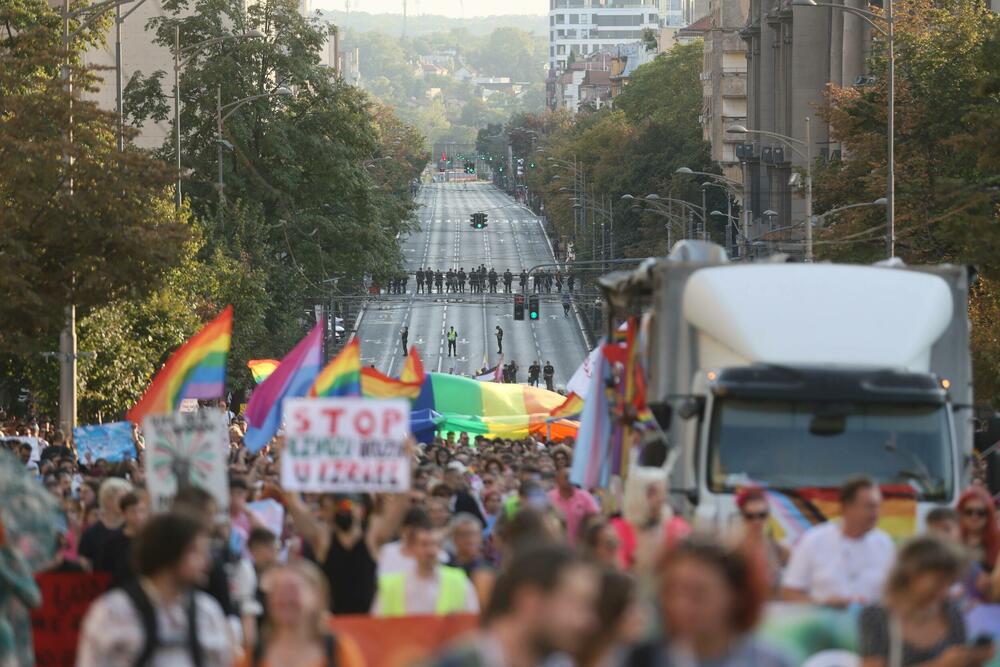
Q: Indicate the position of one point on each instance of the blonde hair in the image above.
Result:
(111, 488)
(314, 580)
(635, 503)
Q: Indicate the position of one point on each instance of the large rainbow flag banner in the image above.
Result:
(491, 409)
(262, 368)
(292, 379)
(342, 376)
(196, 370)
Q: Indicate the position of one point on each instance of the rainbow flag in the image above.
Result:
(262, 368)
(491, 409)
(571, 407)
(378, 385)
(342, 376)
(196, 370)
(795, 511)
(293, 378)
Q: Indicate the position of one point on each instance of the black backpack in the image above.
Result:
(147, 614)
(329, 642)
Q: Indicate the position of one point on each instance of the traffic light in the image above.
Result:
(518, 306)
(478, 220)
(533, 307)
(470, 167)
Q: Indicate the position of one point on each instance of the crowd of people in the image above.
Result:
(482, 280)
(495, 527)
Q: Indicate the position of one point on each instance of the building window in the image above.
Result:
(574, 19)
(552, 20)
(560, 49)
(552, 51)
(560, 19)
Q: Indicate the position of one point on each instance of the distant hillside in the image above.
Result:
(392, 24)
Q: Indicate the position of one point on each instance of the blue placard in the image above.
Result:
(111, 442)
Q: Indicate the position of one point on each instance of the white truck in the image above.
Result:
(797, 375)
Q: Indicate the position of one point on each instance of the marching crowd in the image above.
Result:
(558, 574)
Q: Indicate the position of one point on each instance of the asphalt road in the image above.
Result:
(514, 238)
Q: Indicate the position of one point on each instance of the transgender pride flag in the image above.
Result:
(293, 378)
(592, 454)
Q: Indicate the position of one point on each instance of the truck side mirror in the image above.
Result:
(662, 413)
(692, 406)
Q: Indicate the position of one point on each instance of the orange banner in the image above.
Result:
(402, 642)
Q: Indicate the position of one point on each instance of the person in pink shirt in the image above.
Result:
(575, 504)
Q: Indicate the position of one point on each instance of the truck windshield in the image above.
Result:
(791, 444)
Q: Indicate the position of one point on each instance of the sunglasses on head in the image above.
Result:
(975, 512)
(756, 516)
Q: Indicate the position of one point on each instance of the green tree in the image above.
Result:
(80, 222)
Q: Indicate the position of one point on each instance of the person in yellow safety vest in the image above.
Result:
(452, 341)
(428, 588)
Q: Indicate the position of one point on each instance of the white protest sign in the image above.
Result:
(186, 448)
(346, 445)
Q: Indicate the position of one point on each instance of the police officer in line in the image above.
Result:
(420, 280)
(534, 370)
(438, 280)
(524, 280)
(508, 279)
(549, 374)
(493, 281)
(461, 280)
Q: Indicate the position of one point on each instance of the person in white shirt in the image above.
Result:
(160, 619)
(842, 562)
(398, 556)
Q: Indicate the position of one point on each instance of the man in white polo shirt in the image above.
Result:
(846, 561)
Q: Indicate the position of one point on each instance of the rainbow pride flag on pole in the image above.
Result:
(196, 370)
(262, 368)
(292, 379)
(375, 384)
(342, 376)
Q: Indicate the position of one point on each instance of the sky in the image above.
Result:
(453, 8)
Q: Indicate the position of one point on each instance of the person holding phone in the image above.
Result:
(918, 621)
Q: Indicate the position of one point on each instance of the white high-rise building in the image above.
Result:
(583, 27)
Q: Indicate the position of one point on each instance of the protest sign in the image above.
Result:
(55, 626)
(270, 513)
(186, 448)
(346, 445)
(111, 442)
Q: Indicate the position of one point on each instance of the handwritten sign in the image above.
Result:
(111, 442)
(186, 448)
(346, 445)
(55, 626)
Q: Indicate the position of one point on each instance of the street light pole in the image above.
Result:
(177, 112)
(809, 195)
(890, 195)
(218, 145)
(230, 109)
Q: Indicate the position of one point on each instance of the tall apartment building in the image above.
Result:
(584, 27)
(724, 81)
(792, 54)
(680, 13)
(139, 53)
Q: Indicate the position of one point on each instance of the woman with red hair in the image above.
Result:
(755, 512)
(712, 597)
(978, 522)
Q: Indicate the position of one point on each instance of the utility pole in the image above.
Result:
(67, 339)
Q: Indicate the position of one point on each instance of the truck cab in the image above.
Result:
(799, 376)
